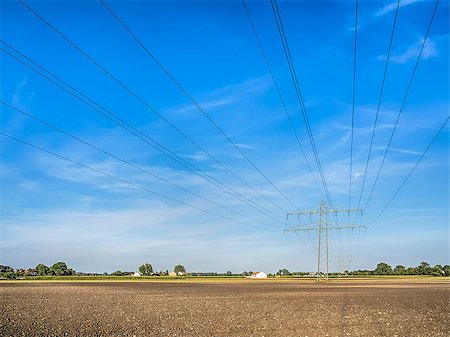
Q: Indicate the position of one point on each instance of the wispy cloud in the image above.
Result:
(404, 151)
(412, 52)
(392, 6)
(207, 105)
(29, 185)
(366, 129)
(227, 95)
(245, 146)
(197, 156)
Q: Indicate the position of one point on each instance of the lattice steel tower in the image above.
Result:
(322, 226)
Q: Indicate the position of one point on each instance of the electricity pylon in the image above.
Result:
(322, 226)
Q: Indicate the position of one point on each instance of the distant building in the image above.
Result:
(258, 274)
(172, 273)
(136, 274)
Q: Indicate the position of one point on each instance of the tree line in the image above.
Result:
(57, 269)
(146, 269)
(61, 269)
(424, 268)
(382, 268)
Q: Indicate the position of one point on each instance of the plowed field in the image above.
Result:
(253, 308)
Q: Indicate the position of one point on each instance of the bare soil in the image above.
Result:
(257, 308)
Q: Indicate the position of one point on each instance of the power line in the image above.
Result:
(410, 172)
(148, 106)
(279, 94)
(128, 182)
(402, 106)
(353, 104)
(126, 126)
(379, 103)
(128, 163)
(294, 77)
(189, 96)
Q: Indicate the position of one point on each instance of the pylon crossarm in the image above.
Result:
(303, 229)
(325, 211)
(345, 225)
(345, 210)
(297, 229)
(303, 213)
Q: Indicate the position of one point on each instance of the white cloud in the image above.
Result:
(412, 52)
(206, 105)
(197, 156)
(29, 185)
(392, 6)
(245, 146)
(227, 95)
(22, 83)
(404, 151)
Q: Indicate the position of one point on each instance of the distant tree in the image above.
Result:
(146, 269)
(9, 275)
(167, 272)
(244, 273)
(6, 269)
(179, 268)
(117, 273)
(411, 271)
(60, 269)
(446, 270)
(424, 268)
(400, 270)
(383, 269)
(437, 270)
(42, 269)
(285, 272)
(229, 273)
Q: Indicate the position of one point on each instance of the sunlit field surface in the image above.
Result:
(411, 306)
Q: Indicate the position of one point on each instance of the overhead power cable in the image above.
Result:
(353, 105)
(130, 183)
(279, 95)
(189, 96)
(294, 77)
(403, 104)
(41, 121)
(379, 103)
(149, 107)
(129, 128)
(410, 172)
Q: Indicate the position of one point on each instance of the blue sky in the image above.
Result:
(53, 209)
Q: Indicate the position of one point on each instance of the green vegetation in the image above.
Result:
(57, 269)
(60, 271)
(146, 269)
(423, 268)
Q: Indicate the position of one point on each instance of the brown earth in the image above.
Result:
(257, 308)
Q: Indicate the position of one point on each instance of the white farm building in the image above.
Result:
(258, 274)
